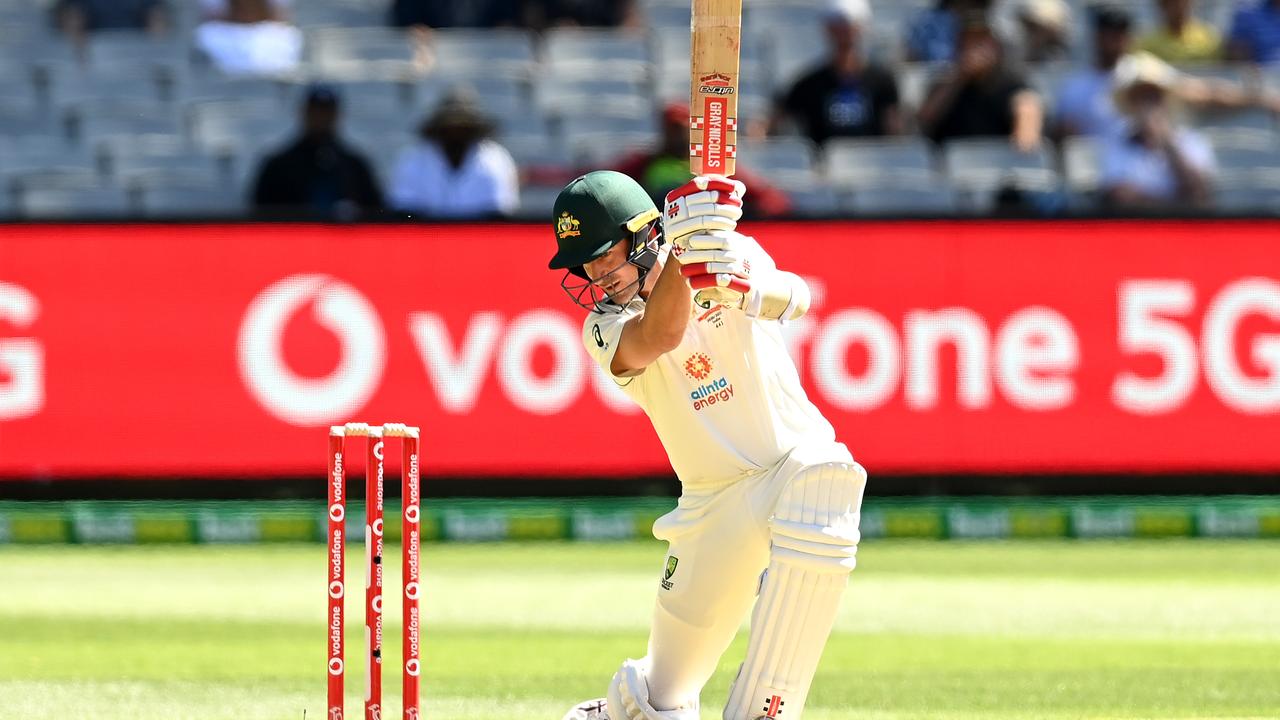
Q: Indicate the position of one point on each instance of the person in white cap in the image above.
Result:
(1152, 162)
(1046, 28)
(847, 95)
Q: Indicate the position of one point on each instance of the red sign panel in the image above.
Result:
(222, 350)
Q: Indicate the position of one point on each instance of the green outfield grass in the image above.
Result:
(1054, 629)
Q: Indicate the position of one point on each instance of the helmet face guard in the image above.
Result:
(646, 239)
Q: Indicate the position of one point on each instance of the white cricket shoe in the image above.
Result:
(589, 710)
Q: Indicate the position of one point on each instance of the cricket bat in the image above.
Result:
(713, 83)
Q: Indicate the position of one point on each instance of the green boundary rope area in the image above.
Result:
(597, 519)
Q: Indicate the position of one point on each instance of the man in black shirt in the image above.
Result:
(980, 96)
(847, 96)
(318, 175)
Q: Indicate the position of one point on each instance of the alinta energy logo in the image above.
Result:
(338, 308)
(698, 366)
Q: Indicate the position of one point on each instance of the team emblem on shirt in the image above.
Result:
(567, 226)
(672, 562)
(698, 366)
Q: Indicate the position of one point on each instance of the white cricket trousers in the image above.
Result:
(718, 548)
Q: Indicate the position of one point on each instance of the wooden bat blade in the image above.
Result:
(713, 83)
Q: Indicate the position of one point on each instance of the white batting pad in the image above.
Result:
(815, 538)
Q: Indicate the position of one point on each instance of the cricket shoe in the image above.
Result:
(589, 710)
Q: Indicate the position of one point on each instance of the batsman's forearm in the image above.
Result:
(666, 312)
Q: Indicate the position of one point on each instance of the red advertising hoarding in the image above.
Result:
(223, 350)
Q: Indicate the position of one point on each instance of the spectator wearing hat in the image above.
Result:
(931, 36)
(1085, 104)
(847, 95)
(251, 38)
(980, 96)
(456, 170)
(1255, 34)
(1045, 31)
(666, 168)
(317, 175)
(1086, 99)
(1181, 38)
(1153, 163)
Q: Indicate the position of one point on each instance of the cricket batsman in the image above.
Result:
(685, 315)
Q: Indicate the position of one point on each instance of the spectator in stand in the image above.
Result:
(1182, 38)
(666, 168)
(317, 175)
(846, 96)
(1085, 103)
(1255, 34)
(542, 14)
(78, 18)
(980, 96)
(456, 14)
(456, 170)
(252, 38)
(1152, 163)
(1046, 29)
(931, 36)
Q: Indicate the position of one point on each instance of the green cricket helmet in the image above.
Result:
(591, 215)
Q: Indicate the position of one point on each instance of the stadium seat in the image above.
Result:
(1080, 163)
(131, 47)
(481, 53)
(176, 201)
(339, 49)
(668, 15)
(27, 119)
(228, 125)
(923, 199)
(601, 148)
(914, 81)
(980, 164)
(501, 97)
(358, 95)
(1253, 198)
(795, 49)
(536, 201)
(338, 13)
(126, 159)
(557, 95)
(84, 202)
(786, 161)
(207, 87)
(70, 83)
(856, 162)
(1237, 149)
(90, 119)
(602, 53)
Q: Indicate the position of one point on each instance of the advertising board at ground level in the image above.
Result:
(221, 350)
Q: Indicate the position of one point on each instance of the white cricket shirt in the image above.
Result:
(728, 400)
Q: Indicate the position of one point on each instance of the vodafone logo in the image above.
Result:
(335, 306)
(335, 666)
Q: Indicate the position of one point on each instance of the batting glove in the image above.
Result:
(707, 202)
(715, 267)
